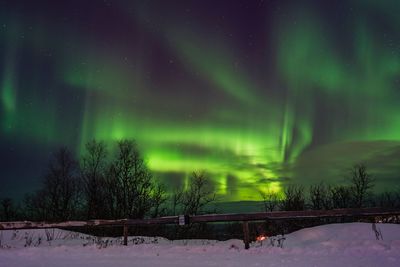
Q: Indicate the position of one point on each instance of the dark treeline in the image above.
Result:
(104, 185)
(357, 192)
(115, 184)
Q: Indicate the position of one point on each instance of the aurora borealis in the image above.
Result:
(255, 93)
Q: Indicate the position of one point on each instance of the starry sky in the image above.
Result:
(257, 94)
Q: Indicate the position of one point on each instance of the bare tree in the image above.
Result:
(159, 198)
(340, 196)
(58, 198)
(361, 184)
(35, 206)
(293, 198)
(176, 199)
(319, 197)
(131, 190)
(387, 200)
(61, 185)
(270, 198)
(7, 209)
(93, 172)
(198, 196)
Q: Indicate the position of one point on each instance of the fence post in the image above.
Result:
(246, 238)
(125, 234)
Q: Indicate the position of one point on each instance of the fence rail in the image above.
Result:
(245, 218)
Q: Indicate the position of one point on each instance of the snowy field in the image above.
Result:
(353, 244)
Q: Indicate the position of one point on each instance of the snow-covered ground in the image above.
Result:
(353, 244)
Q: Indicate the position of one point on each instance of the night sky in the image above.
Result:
(254, 93)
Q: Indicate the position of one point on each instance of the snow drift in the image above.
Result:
(353, 244)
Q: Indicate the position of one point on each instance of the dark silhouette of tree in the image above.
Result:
(7, 209)
(388, 200)
(93, 172)
(176, 200)
(61, 185)
(131, 190)
(159, 198)
(361, 185)
(293, 198)
(196, 198)
(35, 206)
(58, 199)
(319, 197)
(270, 199)
(340, 196)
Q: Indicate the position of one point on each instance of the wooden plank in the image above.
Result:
(70, 224)
(294, 215)
(277, 215)
(159, 220)
(40, 225)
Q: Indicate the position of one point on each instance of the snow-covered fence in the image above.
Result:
(243, 217)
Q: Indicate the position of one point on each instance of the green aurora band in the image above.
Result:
(319, 99)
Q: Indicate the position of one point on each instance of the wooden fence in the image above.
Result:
(182, 220)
